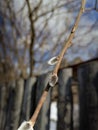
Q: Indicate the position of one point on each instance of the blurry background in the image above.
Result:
(31, 32)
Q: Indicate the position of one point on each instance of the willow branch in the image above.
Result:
(39, 106)
(55, 71)
(69, 41)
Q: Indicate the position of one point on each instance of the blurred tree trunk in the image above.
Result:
(15, 103)
(3, 102)
(64, 103)
(88, 88)
(10, 106)
(26, 103)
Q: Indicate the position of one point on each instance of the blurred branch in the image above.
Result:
(32, 37)
(37, 7)
(54, 8)
(22, 8)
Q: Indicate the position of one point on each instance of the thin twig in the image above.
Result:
(55, 71)
(71, 36)
(42, 100)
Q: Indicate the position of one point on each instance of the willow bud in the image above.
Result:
(53, 60)
(53, 80)
(26, 126)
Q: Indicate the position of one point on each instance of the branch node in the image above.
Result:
(53, 80)
(83, 9)
(73, 30)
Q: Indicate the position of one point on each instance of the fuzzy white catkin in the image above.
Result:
(53, 61)
(53, 80)
(25, 126)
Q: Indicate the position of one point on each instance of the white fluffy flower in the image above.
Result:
(26, 125)
(53, 79)
(53, 61)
